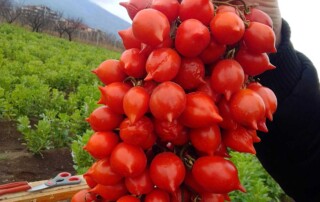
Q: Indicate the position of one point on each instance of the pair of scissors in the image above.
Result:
(63, 178)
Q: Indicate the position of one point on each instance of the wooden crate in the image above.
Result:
(55, 194)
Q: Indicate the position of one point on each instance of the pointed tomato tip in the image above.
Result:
(169, 117)
(269, 116)
(124, 4)
(87, 119)
(148, 77)
(227, 95)
(241, 188)
(271, 66)
(254, 125)
(100, 101)
(94, 71)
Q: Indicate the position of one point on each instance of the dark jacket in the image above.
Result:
(290, 151)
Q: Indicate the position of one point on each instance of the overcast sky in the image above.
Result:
(301, 17)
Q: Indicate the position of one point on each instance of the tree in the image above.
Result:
(72, 25)
(8, 11)
(37, 18)
(59, 25)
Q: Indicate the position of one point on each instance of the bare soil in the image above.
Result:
(18, 164)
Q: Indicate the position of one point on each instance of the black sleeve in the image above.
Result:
(290, 151)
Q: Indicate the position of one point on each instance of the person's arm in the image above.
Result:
(290, 151)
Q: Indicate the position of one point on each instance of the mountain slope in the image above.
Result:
(91, 14)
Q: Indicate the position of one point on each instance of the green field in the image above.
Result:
(47, 87)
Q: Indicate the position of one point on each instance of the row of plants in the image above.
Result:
(47, 88)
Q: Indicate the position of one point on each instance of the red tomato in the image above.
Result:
(201, 10)
(167, 101)
(224, 109)
(83, 196)
(207, 89)
(206, 139)
(212, 197)
(168, 131)
(226, 8)
(128, 160)
(247, 108)
(239, 140)
(157, 195)
(260, 38)
(191, 73)
(167, 171)
(134, 6)
(182, 138)
(192, 37)
(110, 192)
(193, 185)
(212, 52)
(110, 71)
(128, 198)
(101, 144)
(128, 39)
(216, 174)
(168, 7)
(200, 111)
(222, 151)
(136, 103)
(141, 184)
(112, 96)
(133, 63)
(268, 96)
(227, 77)
(150, 85)
(149, 142)
(257, 15)
(104, 119)
(227, 28)
(102, 173)
(253, 64)
(146, 30)
(136, 133)
(162, 65)
(181, 195)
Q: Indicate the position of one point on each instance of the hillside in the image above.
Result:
(91, 14)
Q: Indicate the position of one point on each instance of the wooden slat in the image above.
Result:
(54, 194)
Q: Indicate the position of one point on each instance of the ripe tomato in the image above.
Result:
(192, 37)
(146, 30)
(168, 7)
(253, 64)
(136, 133)
(191, 73)
(102, 173)
(207, 89)
(168, 131)
(268, 96)
(257, 15)
(128, 198)
(133, 63)
(226, 8)
(104, 119)
(141, 184)
(83, 196)
(134, 6)
(201, 10)
(247, 108)
(260, 38)
(206, 139)
(181, 195)
(167, 101)
(224, 109)
(110, 192)
(110, 71)
(212, 52)
(239, 140)
(216, 174)
(162, 65)
(149, 142)
(136, 103)
(101, 144)
(227, 28)
(212, 197)
(200, 111)
(167, 171)
(128, 39)
(128, 160)
(112, 96)
(157, 195)
(227, 77)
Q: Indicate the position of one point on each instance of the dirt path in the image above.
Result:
(17, 164)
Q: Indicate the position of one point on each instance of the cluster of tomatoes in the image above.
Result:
(182, 94)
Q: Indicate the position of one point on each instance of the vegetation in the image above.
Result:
(47, 87)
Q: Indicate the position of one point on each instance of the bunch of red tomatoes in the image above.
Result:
(182, 94)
